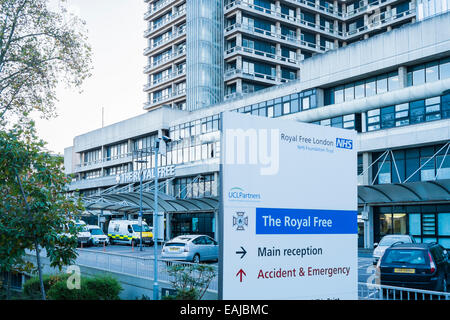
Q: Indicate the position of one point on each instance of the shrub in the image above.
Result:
(105, 287)
(91, 288)
(95, 288)
(190, 281)
(32, 289)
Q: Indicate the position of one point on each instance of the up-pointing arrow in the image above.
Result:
(240, 273)
(242, 252)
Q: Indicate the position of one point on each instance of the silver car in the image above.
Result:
(386, 242)
(193, 248)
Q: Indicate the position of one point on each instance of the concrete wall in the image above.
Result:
(123, 130)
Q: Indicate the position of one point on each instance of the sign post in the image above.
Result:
(289, 210)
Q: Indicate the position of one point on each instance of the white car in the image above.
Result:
(193, 248)
(97, 236)
(84, 235)
(386, 242)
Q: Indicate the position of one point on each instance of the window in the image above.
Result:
(370, 87)
(338, 95)
(432, 72)
(349, 92)
(286, 108)
(417, 111)
(305, 103)
(393, 81)
(388, 117)
(382, 85)
(444, 69)
(359, 90)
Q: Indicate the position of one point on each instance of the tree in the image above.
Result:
(190, 281)
(38, 48)
(34, 209)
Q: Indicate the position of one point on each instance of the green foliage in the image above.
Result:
(23, 156)
(39, 47)
(190, 281)
(91, 288)
(31, 287)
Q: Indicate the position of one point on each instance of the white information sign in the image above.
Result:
(289, 210)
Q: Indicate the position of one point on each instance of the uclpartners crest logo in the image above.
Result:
(238, 194)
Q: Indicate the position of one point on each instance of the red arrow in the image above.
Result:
(241, 273)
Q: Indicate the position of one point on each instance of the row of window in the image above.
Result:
(416, 75)
(117, 150)
(181, 155)
(404, 164)
(432, 71)
(194, 128)
(426, 223)
(363, 88)
(419, 111)
(349, 121)
(283, 106)
(195, 187)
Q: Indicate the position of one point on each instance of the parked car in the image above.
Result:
(193, 248)
(386, 242)
(415, 265)
(129, 231)
(97, 236)
(83, 235)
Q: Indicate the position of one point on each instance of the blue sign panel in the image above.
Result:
(305, 221)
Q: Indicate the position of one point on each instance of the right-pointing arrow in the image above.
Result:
(240, 273)
(242, 252)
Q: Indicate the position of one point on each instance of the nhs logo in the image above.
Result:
(344, 143)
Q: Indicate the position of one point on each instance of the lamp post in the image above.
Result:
(140, 199)
(155, 215)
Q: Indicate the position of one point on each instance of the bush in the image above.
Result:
(91, 288)
(32, 288)
(183, 294)
(105, 287)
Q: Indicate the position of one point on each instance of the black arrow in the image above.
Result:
(243, 252)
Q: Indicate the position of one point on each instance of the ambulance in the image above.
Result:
(129, 232)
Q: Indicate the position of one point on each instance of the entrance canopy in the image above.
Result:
(129, 202)
(423, 191)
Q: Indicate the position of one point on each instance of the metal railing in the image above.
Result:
(294, 19)
(298, 57)
(164, 22)
(165, 59)
(141, 267)
(254, 75)
(368, 291)
(291, 39)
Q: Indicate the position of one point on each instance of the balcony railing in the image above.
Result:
(381, 21)
(168, 77)
(296, 60)
(368, 7)
(255, 75)
(156, 8)
(165, 98)
(295, 20)
(164, 22)
(181, 31)
(277, 36)
(312, 4)
(167, 58)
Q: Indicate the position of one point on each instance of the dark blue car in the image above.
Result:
(415, 265)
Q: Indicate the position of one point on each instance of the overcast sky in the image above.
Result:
(115, 31)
